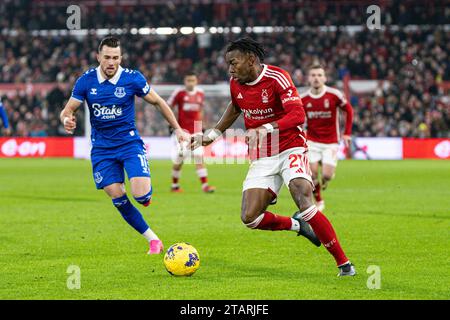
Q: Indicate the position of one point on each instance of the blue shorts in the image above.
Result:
(108, 164)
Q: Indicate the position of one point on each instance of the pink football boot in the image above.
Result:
(156, 247)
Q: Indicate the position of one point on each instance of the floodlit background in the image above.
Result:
(390, 58)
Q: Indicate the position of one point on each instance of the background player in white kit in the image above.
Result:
(322, 105)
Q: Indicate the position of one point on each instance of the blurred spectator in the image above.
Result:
(34, 15)
(415, 61)
(380, 55)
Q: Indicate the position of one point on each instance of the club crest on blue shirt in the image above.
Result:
(98, 177)
(120, 92)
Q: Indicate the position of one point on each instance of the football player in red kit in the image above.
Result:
(273, 116)
(322, 105)
(189, 103)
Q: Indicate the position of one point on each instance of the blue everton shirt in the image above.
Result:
(4, 116)
(111, 104)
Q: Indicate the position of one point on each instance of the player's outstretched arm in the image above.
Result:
(347, 136)
(228, 118)
(153, 98)
(67, 115)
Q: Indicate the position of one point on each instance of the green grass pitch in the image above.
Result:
(391, 214)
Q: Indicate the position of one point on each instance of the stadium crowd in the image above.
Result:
(48, 14)
(415, 62)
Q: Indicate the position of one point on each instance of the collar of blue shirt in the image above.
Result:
(113, 80)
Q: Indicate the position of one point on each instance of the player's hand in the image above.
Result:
(347, 140)
(204, 139)
(196, 140)
(7, 132)
(182, 136)
(70, 123)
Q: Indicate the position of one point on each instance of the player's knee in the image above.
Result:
(314, 171)
(327, 176)
(300, 186)
(144, 198)
(115, 192)
(301, 190)
(248, 216)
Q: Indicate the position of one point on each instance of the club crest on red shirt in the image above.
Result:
(265, 96)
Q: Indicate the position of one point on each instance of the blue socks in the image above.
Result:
(130, 213)
(145, 200)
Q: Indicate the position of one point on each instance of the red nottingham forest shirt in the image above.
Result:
(322, 113)
(190, 106)
(272, 97)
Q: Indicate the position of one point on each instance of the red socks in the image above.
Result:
(175, 178)
(270, 221)
(318, 222)
(326, 234)
(203, 176)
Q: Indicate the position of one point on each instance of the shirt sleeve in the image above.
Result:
(172, 101)
(341, 99)
(291, 101)
(79, 90)
(347, 107)
(4, 117)
(344, 105)
(141, 86)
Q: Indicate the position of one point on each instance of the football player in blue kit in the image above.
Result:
(109, 91)
(4, 117)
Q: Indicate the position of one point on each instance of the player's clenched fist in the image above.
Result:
(70, 123)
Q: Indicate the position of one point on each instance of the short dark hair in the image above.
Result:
(316, 66)
(190, 73)
(248, 45)
(109, 41)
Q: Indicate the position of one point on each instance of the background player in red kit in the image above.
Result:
(189, 104)
(273, 109)
(322, 105)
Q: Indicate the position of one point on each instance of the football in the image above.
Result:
(181, 259)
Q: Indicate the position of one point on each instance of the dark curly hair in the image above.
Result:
(248, 45)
